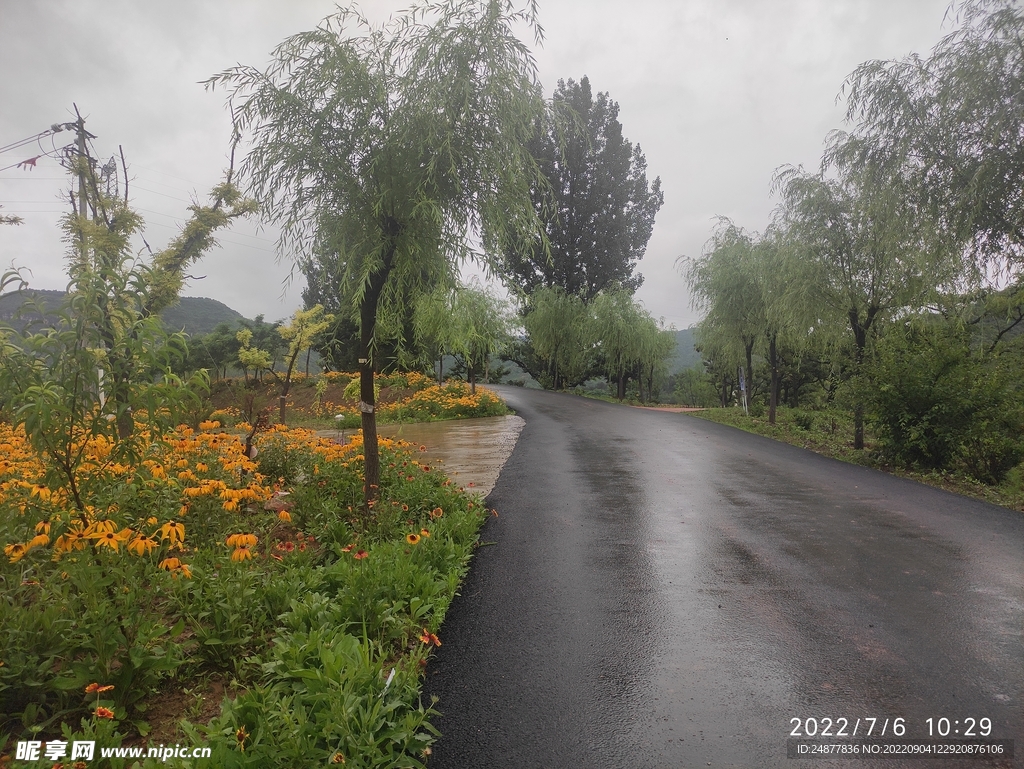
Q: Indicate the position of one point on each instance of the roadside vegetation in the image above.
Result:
(831, 433)
(331, 400)
(879, 316)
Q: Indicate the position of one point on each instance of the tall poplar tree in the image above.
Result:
(599, 209)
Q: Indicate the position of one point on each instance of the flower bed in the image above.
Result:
(332, 399)
(199, 561)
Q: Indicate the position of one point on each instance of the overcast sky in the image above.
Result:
(718, 93)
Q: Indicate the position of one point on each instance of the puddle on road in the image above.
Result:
(470, 451)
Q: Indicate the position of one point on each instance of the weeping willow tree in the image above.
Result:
(557, 324)
(952, 122)
(862, 253)
(724, 285)
(399, 148)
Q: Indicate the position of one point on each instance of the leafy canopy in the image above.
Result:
(952, 123)
(397, 148)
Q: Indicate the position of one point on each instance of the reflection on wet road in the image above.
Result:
(470, 451)
(666, 592)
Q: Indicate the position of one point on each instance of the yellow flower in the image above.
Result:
(242, 540)
(101, 527)
(424, 532)
(15, 552)
(412, 539)
(173, 531)
(241, 554)
(170, 564)
(284, 515)
(141, 545)
(108, 539)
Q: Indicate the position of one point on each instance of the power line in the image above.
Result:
(23, 142)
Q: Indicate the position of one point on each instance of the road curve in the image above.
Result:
(663, 591)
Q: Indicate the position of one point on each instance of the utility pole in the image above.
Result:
(80, 127)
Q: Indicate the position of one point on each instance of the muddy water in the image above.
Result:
(470, 451)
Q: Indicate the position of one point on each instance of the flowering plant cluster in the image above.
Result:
(198, 560)
(138, 510)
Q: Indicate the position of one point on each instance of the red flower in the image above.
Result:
(360, 555)
(104, 713)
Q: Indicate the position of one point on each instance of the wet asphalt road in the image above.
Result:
(668, 592)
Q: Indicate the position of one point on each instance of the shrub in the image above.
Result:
(937, 404)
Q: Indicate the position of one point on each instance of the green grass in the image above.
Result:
(830, 433)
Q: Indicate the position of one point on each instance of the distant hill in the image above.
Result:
(199, 315)
(684, 356)
(10, 305)
(193, 315)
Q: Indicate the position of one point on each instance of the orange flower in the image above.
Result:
(359, 555)
(437, 512)
(241, 554)
(170, 564)
(284, 515)
(15, 552)
(424, 532)
(346, 549)
(412, 539)
(104, 713)
(429, 638)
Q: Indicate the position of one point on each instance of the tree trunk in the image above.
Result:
(367, 400)
(748, 347)
(860, 336)
(621, 390)
(440, 370)
(773, 363)
(472, 378)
